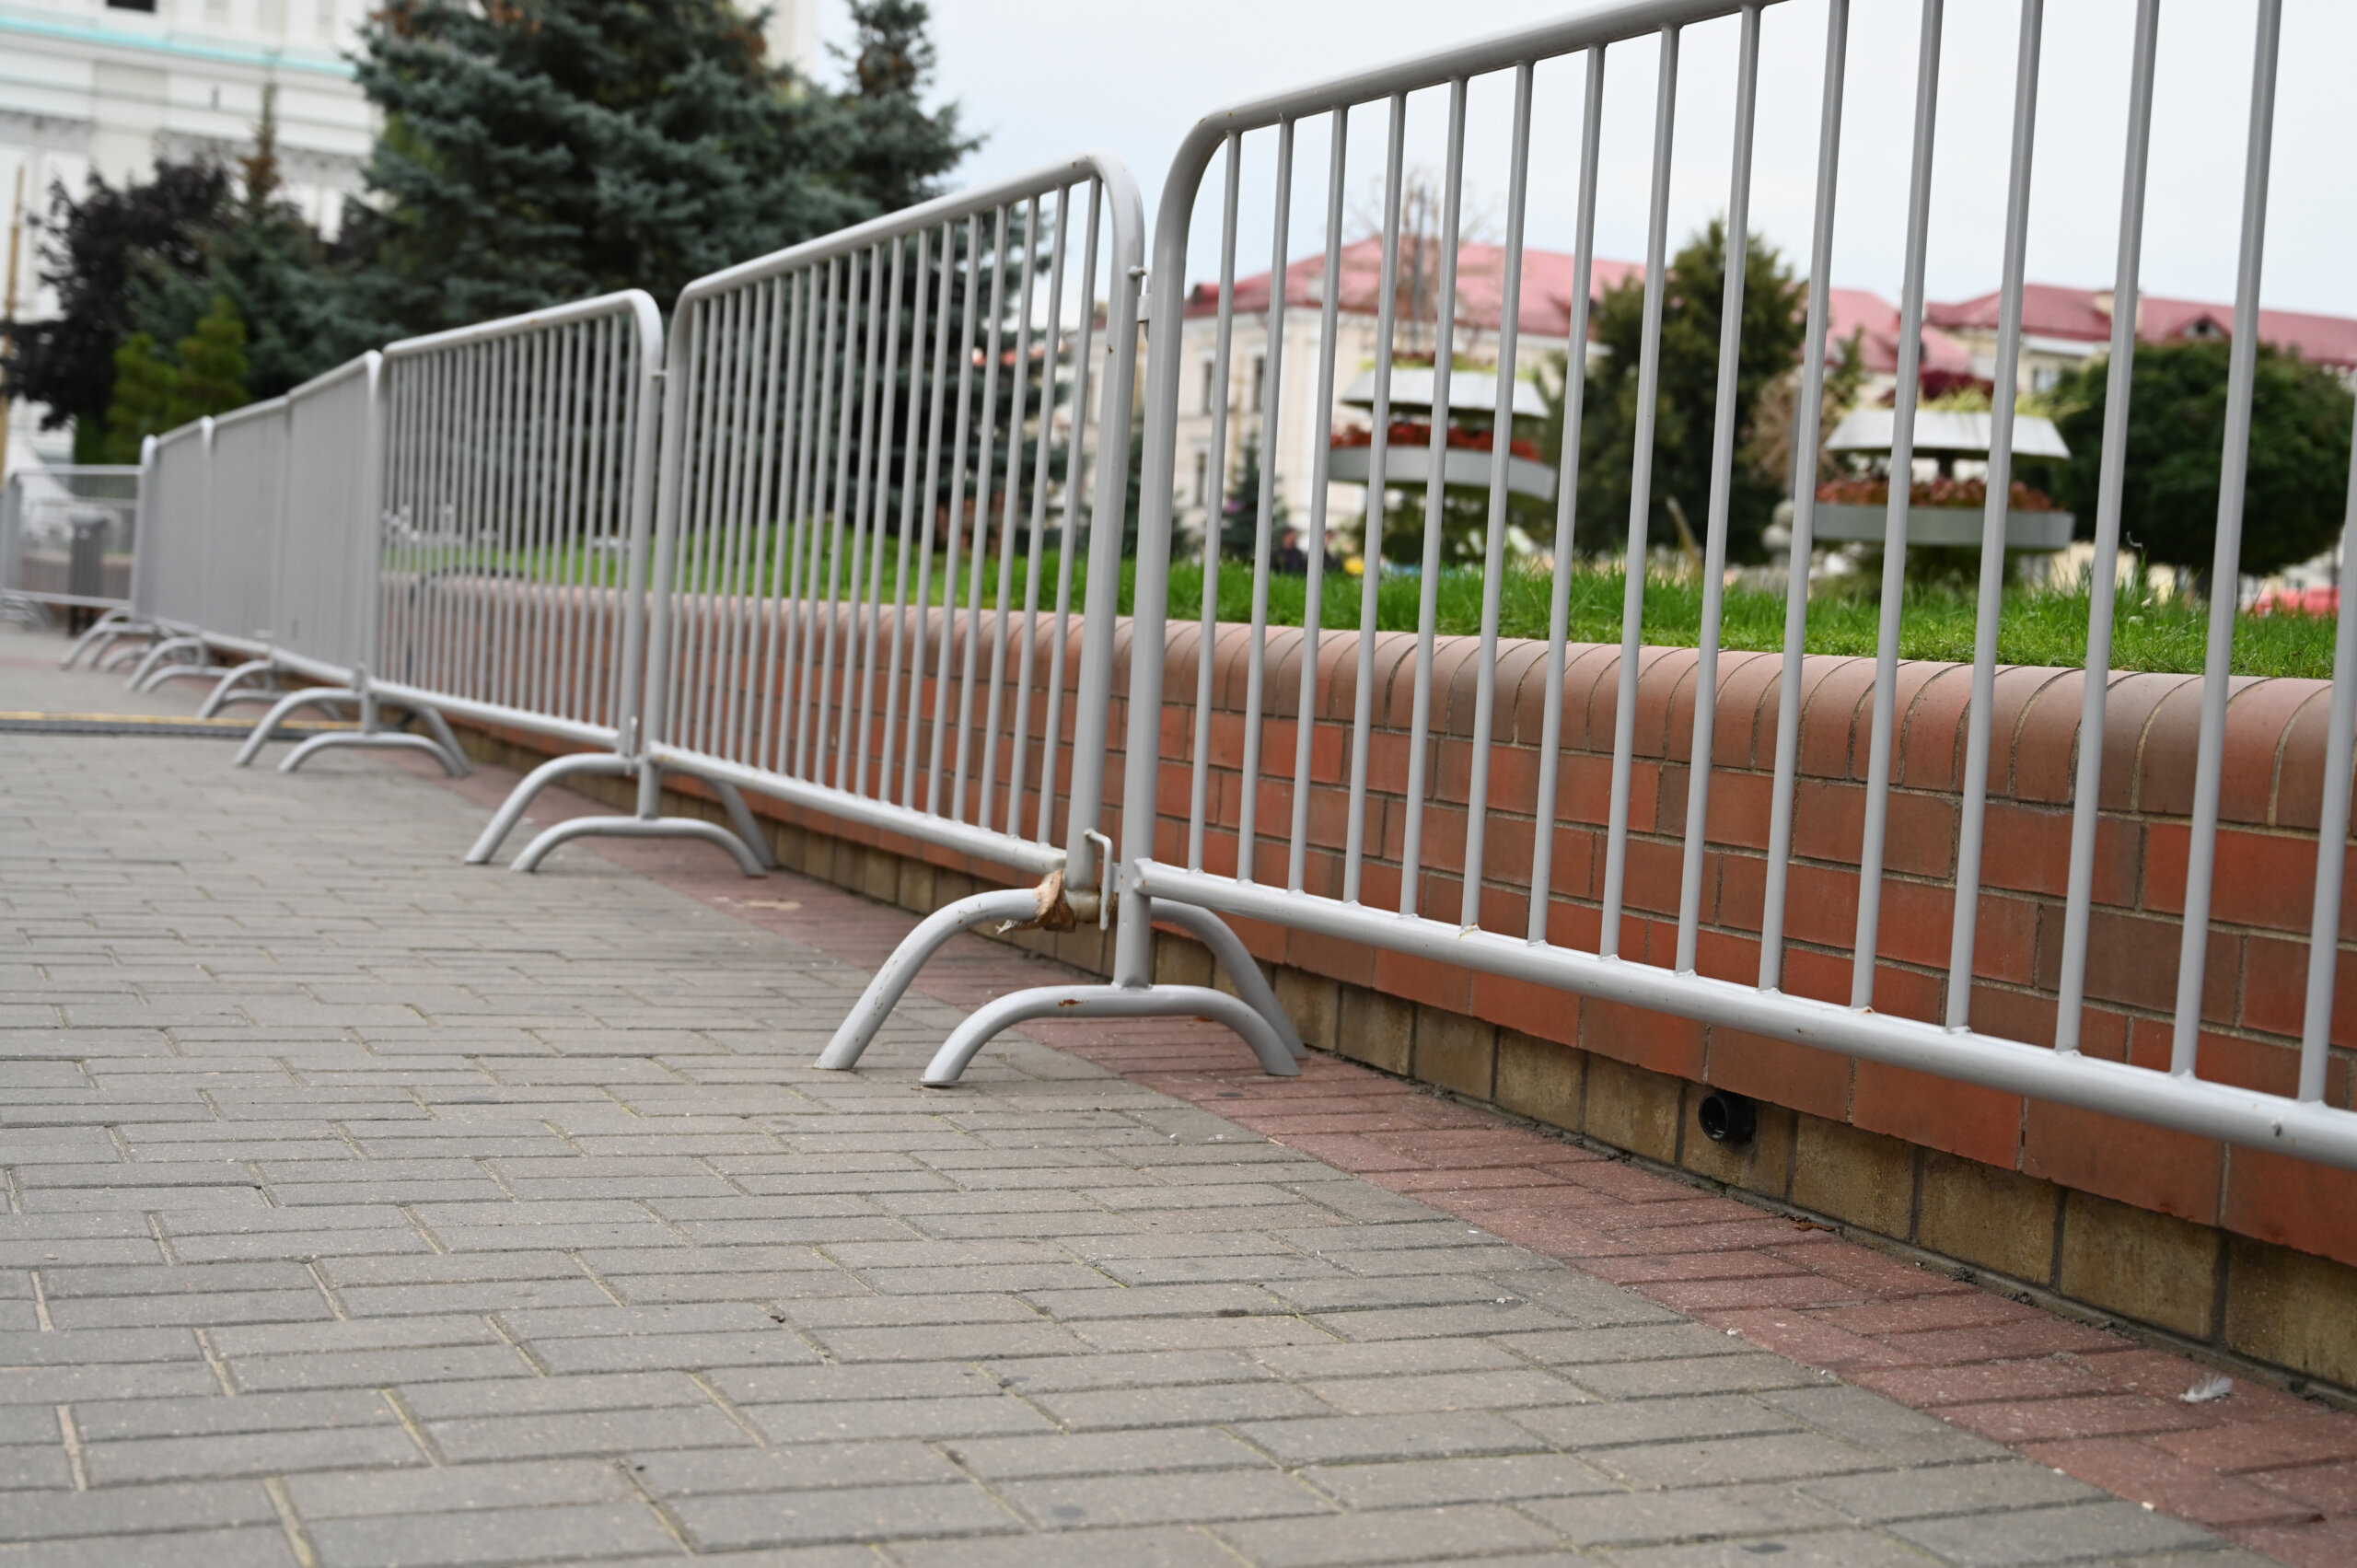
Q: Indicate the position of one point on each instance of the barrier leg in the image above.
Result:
(453, 762)
(899, 971)
(519, 799)
(105, 629)
(454, 756)
(161, 674)
(740, 817)
(650, 823)
(1109, 1002)
(1228, 951)
(310, 697)
(220, 697)
(158, 652)
(112, 658)
(637, 828)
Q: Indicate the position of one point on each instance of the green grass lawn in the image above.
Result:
(2037, 626)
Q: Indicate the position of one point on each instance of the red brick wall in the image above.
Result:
(2256, 968)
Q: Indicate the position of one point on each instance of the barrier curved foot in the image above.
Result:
(158, 652)
(111, 658)
(740, 817)
(1228, 951)
(637, 828)
(949, 1063)
(162, 674)
(101, 635)
(453, 763)
(899, 971)
(225, 690)
(454, 756)
(519, 799)
(310, 697)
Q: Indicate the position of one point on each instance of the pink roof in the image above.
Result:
(2075, 313)
(1546, 282)
(1863, 311)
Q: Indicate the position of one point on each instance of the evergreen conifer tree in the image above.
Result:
(894, 151)
(212, 368)
(541, 150)
(145, 385)
(1774, 326)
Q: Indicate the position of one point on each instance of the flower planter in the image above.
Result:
(1947, 526)
(1464, 469)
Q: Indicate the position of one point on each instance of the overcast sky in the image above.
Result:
(1044, 79)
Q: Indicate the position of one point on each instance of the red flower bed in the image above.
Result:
(1406, 434)
(1959, 492)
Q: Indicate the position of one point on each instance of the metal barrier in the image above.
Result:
(67, 540)
(1332, 905)
(499, 534)
(936, 381)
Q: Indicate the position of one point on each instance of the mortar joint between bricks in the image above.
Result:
(70, 1436)
(298, 1540)
(523, 1350)
(163, 1241)
(213, 1360)
(409, 1213)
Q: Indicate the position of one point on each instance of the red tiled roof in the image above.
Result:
(1865, 312)
(2073, 313)
(1547, 280)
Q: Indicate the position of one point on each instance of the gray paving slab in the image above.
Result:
(363, 1208)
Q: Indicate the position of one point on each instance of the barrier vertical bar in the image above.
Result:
(1632, 594)
(2225, 571)
(1715, 528)
(1902, 472)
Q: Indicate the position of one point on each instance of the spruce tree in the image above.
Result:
(541, 150)
(145, 385)
(212, 368)
(896, 152)
(1774, 325)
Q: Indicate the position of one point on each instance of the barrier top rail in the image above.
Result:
(1367, 892)
(822, 435)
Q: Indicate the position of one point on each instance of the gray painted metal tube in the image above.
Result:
(896, 973)
(453, 762)
(1228, 951)
(511, 810)
(159, 650)
(986, 1022)
(219, 696)
(310, 697)
(637, 828)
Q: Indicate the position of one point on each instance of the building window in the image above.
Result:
(1204, 394)
(1256, 388)
(1203, 477)
(146, 5)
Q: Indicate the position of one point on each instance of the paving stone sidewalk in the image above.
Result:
(363, 1209)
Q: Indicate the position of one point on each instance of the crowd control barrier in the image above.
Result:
(67, 543)
(1276, 873)
(867, 440)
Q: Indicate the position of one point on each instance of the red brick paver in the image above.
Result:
(2275, 1472)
